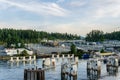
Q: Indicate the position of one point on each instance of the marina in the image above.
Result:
(59, 40)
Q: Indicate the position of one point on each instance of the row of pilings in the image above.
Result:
(112, 65)
(94, 67)
(69, 69)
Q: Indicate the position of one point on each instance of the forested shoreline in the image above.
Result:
(13, 36)
(99, 36)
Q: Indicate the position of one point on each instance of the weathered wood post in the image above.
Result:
(63, 71)
(68, 71)
(73, 72)
(41, 75)
(53, 56)
(68, 56)
(43, 62)
(11, 59)
(112, 65)
(97, 69)
(72, 57)
(34, 74)
(53, 61)
(108, 66)
(58, 56)
(25, 74)
(88, 68)
(46, 62)
(93, 69)
(76, 60)
(17, 59)
(116, 65)
(63, 56)
(30, 58)
(24, 58)
(34, 57)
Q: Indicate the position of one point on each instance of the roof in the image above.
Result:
(106, 54)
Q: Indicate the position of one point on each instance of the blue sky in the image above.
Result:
(71, 16)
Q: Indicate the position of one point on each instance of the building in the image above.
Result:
(12, 52)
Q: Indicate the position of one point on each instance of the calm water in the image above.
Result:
(15, 71)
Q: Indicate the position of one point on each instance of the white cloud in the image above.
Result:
(77, 3)
(60, 1)
(39, 8)
(106, 8)
(96, 8)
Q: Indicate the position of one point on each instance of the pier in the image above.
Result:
(16, 59)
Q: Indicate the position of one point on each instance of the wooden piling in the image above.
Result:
(68, 72)
(11, 59)
(63, 56)
(112, 66)
(53, 61)
(93, 69)
(33, 74)
(76, 60)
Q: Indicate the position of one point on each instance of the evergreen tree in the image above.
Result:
(73, 49)
(95, 35)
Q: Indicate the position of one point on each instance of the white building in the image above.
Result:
(11, 52)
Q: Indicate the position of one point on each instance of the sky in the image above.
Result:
(71, 16)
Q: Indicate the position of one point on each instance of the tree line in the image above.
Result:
(13, 36)
(99, 36)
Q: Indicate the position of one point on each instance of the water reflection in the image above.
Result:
(19, 63)
(15, 70)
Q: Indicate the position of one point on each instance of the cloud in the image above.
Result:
(60, 1)
(77, 3)
(96, 8)
(106, 8)
(39, 8)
